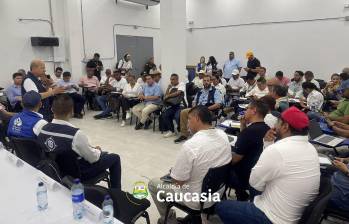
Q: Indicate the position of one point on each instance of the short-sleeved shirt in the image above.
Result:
(249, 145)
(203, 100)
(236, 84)
(229, 66)
(295, 89)
(206, 149)
(121, 84)
(92, 83)
(62, 83)
(153, 90)
(342, 109)
(315, 100)
(253, 64)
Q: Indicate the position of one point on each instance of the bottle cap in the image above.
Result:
(77, 181)
(41, 184)
(107, 197)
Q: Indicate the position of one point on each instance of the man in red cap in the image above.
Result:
(287, 173)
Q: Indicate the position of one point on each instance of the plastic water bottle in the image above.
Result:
(108, 210)
(41, 196)
(78, 197)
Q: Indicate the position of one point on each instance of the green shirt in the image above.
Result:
(342, 109)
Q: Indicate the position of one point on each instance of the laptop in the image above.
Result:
(316, 135)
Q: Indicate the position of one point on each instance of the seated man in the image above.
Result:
(208, 148)
(295, 89)
(281, 79)
(14, 92)
(340, 186)
(151, 97)
(314, 102)
(279, 93)
(235, 82)
(107, 78)
(174, 102)
(63, 139)
(217, 85)
(249, 85)
(29, 122)
(57, 75)
(106, 101)
(209, 97)
(71, 88)
(309, 77)
(260, 90)
(198, 80)
(248, 147)
(287, 173)
(341, 114)
(90, 84)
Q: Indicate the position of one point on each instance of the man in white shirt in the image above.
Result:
(260, 90)
(314, 102)
(309, 77)
(230, 65)
(235, 82)
(118, 84)
(107, 78)
(58, 75)
(287, 173)
(208, 148)
(68, 142)
(295, 89)
(215, 80)
(249, 85)
(72, 88)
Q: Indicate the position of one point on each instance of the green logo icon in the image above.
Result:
(140, 190)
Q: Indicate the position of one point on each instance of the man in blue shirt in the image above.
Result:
(29, 122)
(230, 65)
(209, 97)
(151, 97)
(14, 92)
(71, 88)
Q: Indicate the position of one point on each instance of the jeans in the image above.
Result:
(103, 103)
(106, 161)
(79, 102)
(314, 115)
(168, 115)
(238, 212)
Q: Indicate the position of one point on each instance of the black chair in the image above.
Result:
(313, 212)
(28, 150)
(155, 116)
(70, 166)
(215, 180)
(337, 214)
(127, 209)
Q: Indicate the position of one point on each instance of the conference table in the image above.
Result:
(18, 186)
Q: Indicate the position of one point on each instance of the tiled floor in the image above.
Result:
(144, 154)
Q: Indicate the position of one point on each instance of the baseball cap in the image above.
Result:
(31, 99)
(235, 72)
(201, 72)
(249, 53)
(294, 117)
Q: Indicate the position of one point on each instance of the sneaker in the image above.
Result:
(169, 134)
(147, 124)
(101, 116)
(139, 126)
(128, 115)
(180, 139)
(123, 123)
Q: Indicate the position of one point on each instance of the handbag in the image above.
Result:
(173, 101)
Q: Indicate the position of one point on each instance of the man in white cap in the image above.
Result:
(235, 82)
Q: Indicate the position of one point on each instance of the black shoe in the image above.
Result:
(101, 116)
(78, 116)
(180, 139)
(139, 126)
(147, 124)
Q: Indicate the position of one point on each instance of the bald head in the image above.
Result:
(37, 67)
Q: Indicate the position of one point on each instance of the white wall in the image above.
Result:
(99, 19)
(320, 46)
(15, 47)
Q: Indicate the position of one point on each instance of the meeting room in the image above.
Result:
(174, 112)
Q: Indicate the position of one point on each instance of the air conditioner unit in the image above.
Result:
(146, 3)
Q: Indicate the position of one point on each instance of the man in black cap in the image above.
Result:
(29, 122)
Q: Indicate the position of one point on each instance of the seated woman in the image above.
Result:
(129, 97)
(331, 92)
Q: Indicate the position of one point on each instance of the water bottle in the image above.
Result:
(77, 191)
(41, 196)
(108, 210)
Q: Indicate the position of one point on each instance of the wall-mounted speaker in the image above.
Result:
(45, 41)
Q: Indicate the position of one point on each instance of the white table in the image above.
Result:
(18, 197)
